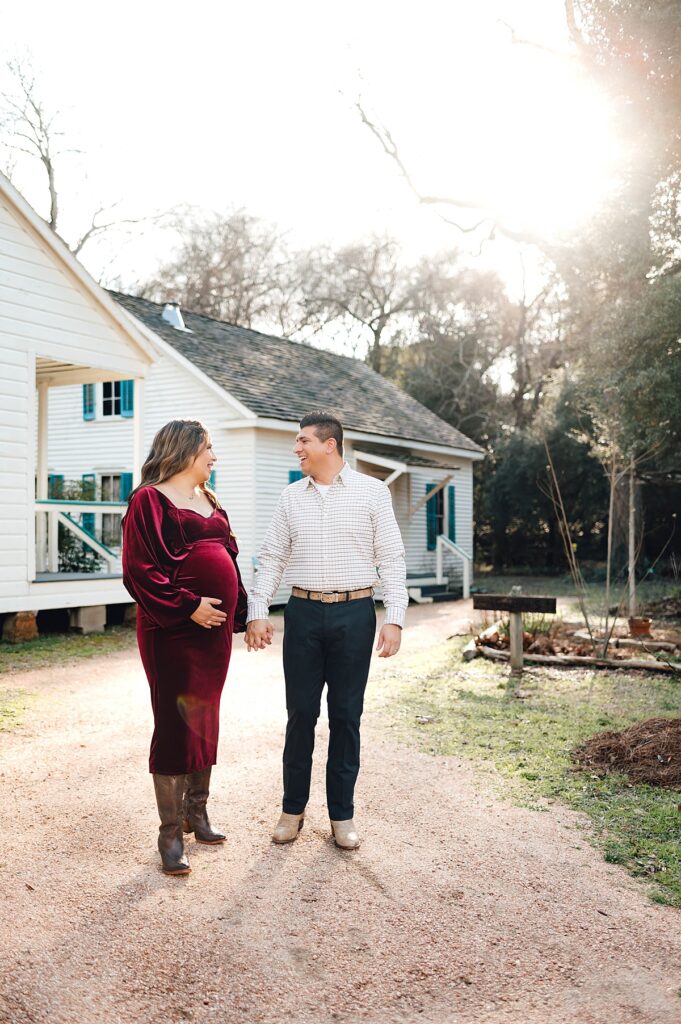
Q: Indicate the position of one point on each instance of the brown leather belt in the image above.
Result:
(332, 596)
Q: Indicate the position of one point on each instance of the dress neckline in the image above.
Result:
(179, 507)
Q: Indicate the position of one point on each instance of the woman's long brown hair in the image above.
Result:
(175, 446)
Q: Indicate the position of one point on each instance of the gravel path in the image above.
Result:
(459, 908)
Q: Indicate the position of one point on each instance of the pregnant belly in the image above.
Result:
(208, 570)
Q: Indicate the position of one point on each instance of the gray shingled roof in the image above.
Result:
(408, 457)
(284, 379)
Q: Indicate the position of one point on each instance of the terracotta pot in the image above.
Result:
(639, 626)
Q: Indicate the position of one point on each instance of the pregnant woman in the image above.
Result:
(179, 564)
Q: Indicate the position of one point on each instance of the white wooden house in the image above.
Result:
(251, 389)
(72, 361)
(58, 330)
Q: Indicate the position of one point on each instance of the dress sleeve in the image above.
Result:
(149, 565)
(242, 596)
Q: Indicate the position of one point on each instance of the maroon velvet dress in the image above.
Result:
(172, 557)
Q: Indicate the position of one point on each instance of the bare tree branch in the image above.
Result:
(532, 43)
(389, 146)
(573, 27)
(97, 229)
(33, 131)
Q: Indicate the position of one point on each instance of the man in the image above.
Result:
(331, 532)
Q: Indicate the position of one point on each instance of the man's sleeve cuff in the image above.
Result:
(257, 610)
(394, 617)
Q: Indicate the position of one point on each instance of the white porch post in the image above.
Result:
(41, 475)
(138, 430)
(466, 579)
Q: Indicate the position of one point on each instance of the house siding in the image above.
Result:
(420, 561)
(235, 488)
(46, 309)
(105, 444)
(274, 459)
(78, 446)
(16, 388)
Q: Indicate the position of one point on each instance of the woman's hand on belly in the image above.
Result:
(207, 615)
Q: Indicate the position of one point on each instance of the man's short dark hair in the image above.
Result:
(325, 426)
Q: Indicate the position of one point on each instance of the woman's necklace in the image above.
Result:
(187, 497)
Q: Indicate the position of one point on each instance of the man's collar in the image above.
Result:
(341, 475)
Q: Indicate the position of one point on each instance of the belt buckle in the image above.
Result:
(328, 597)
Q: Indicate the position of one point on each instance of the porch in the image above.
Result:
(391, 465)
(84, 524)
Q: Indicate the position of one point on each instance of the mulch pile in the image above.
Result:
(664, 608)
(647, 752)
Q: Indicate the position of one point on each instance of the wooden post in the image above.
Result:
(515, 604)
(466, 579)
(41, 475)
(52, 541)
(138, 430)
(439, 566)
(516, 636)
(632, 538)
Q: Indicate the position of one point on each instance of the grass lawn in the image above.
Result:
(56, 648)
(448, 706)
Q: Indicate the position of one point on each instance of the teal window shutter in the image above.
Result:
(294, 474)
(88, 485)
(127, 398)
(431, 519)
(55, 485)
(211, 480)
(88, 401)
(126, 485)
(451, 513)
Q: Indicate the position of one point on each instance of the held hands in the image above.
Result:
(389, 640)
(259, 633)
(208, 616)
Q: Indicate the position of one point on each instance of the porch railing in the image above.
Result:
(53, 512)
(445, 544)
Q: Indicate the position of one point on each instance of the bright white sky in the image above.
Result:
(229, 104)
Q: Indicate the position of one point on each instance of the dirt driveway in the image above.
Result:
(458, 908)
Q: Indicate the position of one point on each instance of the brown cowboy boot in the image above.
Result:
(195, 817)
(169, 793)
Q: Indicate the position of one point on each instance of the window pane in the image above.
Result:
(440, 514)
(111, 529)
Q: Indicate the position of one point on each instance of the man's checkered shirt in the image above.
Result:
(337, 541)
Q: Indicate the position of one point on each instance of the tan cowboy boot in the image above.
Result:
(345, 835)
(288, 827)
(169, 794)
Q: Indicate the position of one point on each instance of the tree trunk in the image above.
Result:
(632, 538)
(608, 563)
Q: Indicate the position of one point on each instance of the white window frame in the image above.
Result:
(99, 475)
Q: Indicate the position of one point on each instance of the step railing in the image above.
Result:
(51, 512)
(445, 544)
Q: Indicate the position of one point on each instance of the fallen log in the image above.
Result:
(578, 659)
(472, 648)
(625, 641)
